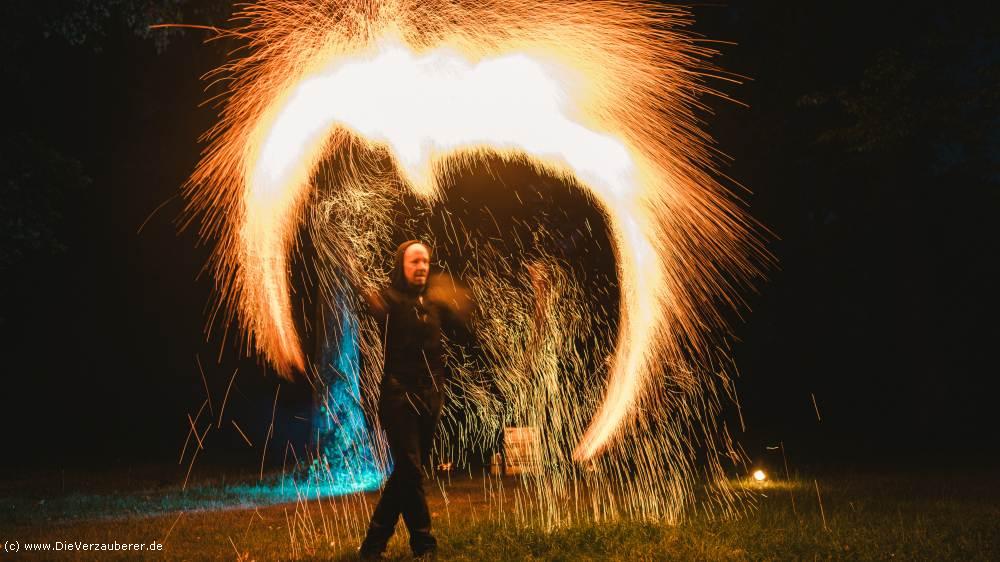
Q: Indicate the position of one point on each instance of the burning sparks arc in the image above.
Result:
(596, 93)
(425, 109)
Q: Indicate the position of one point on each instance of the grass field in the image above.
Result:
(885, 516)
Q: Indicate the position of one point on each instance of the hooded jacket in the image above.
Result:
(412, 324)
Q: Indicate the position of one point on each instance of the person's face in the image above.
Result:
(416, 263)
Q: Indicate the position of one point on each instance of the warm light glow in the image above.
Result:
(597, 93)
(426, 109)
(759, 475)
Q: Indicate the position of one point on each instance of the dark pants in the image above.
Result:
(409, 418)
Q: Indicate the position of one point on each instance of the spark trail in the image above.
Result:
(599, 94)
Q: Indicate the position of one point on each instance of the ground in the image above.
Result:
(934, 515)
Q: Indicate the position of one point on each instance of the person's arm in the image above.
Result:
(377, 305)
(456, 304)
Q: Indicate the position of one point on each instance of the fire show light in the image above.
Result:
(346, 461)
(335, 108)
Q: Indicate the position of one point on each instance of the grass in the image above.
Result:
(933, 516)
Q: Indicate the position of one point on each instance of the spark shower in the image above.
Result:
(601, 95)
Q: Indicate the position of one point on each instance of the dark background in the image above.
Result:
(870, 144)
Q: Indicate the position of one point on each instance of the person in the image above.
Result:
(412, 311)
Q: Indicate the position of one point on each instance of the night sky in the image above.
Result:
(869, 145)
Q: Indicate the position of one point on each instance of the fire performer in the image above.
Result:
(412, 312)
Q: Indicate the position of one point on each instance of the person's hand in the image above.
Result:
(376, 304)
(444, 289)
